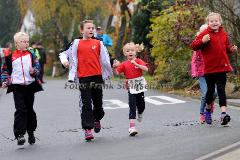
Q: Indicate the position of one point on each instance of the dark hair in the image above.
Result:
(39, 43)
(8, 44)
(33, 42)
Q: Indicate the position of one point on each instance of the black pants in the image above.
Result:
(91, 93)
(218, 79)
(25, 117)
(136, 102)
(41, 71)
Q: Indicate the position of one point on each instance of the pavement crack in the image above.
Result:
(78, 129)
(187, 123)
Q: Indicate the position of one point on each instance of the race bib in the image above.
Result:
(137, 85)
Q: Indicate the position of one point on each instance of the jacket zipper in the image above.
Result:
(23, 71)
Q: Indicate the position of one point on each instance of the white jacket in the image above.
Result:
(71, 55)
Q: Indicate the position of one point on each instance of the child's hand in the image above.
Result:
(133, 62)
(206, 38)
(4, 85)
(234, 48)
(32, 71)
(66, 64)
(116, 63)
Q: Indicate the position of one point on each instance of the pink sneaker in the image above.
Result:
(202, 118)
(212, 107)
(88, 134)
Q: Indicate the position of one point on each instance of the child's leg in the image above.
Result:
(132, 113)
(221, 84)
(31, 115)
(98, 111)
(140, 102)
(132, 105)
(97, 97)
(85, 105)
(203, 91)
(211, 81)
(20, 115)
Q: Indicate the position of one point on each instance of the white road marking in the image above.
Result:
(114, 104)
(118, 104)
(165, 98)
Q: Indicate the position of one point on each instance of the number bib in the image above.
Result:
(137, 85)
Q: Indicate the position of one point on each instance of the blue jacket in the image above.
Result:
(107, 41)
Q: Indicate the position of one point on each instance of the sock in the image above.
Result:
(132, 124)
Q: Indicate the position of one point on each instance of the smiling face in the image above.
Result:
(87, 30)
(214, 22)
(129, 51)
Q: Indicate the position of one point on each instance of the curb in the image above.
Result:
(198, 99)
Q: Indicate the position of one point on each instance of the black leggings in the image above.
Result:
(136, 102)
(218, 79)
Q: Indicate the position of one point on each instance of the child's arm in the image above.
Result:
(5, 75)
(64, 55)
(105, 62)
(201, 40)
(64, 59)
(116, 63)
(231, 48)
(142, 67)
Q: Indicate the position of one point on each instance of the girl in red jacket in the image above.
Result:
(214, 45)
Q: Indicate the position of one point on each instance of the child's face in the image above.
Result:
(214, 22)
(130, 52)
(22, 43)
(87, 30)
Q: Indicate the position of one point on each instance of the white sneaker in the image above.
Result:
(132, 131)
(139, 117)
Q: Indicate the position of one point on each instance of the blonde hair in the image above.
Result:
(19, 35)
(127, 45)
(213, 14)
(202, 28)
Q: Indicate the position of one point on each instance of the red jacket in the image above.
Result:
(215, 51)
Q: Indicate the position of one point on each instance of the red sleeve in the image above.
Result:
(197, 42)
(141, 62)
(120, 68)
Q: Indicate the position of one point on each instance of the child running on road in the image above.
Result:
(88, 59)
(133, 71)
(20, 75)
(198, 72)
(214, 45)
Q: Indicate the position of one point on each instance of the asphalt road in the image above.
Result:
(169, 131)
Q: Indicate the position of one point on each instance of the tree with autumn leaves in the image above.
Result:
(58, 20)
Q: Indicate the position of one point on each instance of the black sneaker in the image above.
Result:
(31, 138)
(225, 118)
(97, 126)
(20, 140)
